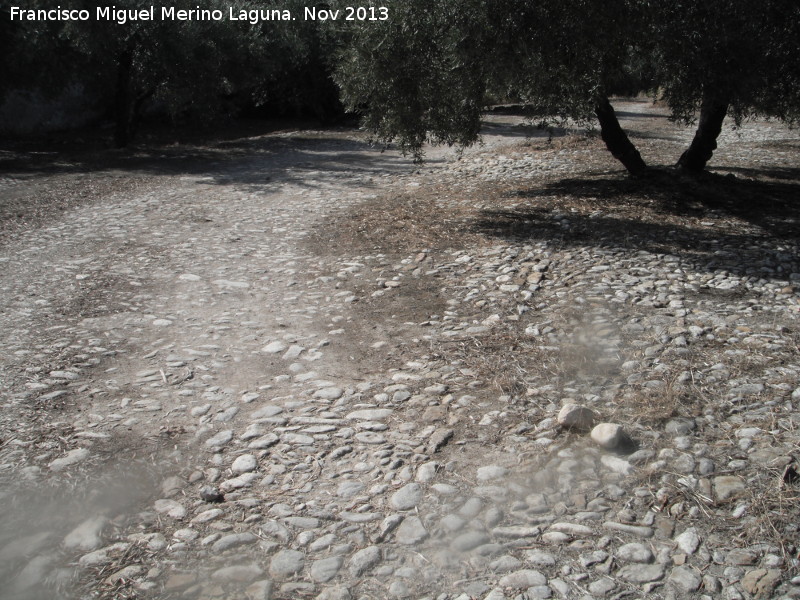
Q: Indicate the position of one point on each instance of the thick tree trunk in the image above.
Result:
(123, 100)
(616, 140)
(712, 113)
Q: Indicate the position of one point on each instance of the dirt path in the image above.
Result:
(295, 366)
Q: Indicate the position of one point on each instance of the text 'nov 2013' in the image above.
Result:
(121, 16)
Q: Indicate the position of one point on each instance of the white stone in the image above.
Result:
(609, 435)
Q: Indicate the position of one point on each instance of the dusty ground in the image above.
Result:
(337, 340)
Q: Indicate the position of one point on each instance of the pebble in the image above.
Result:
(685, 579)
(491, 472)
(171, 508)
(727, 487)
(364, 560)
(325, 569)
(406, 497)
(220, 439)
(638, 573)
(411, 532)
(73, 457)
(226, 542)
(523, 579)
(574, 416)
(244, 464)
(611, 436)
(419, 461)
(635, 552)
(286, 563)
(688, 541)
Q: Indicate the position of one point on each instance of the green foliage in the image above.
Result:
(421, 75)
(737, 51)
(424, 75)
(192, 69)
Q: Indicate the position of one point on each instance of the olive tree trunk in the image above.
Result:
(712, 114)
(617, 140)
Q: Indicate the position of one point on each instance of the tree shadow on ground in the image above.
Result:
(745, 226)
(255, 162)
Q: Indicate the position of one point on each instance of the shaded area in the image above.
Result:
(36, 186)
(700, 217)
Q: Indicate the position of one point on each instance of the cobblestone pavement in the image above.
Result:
(207, 394)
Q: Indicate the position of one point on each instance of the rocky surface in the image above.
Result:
(210, 395)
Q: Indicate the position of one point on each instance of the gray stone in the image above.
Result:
(523, 579)
(638, 573)
(572, 529)
(611, 437)
(350, 489)
(685, 579)
(515, 532)
(274, 347)
(233, 540)
(539, 592)
(73, 457)
(452, 523)
(399, 589)
(335, 593)
(539, 558)
(411, 531)
(617, 464)
(728, 486)
(266, 411)
(244, 464)
(426, 472)
(602, 587)
(407, 497)
(740, 557)
(370, 414)
(636, 553)
(171, 508)
(265, 441)
(286, 563)
(748, 389)
(364, 560)
(504, 564)
(491, 472)
(260, 590)
(637, 530)
(688, 541)
(471, 508)
(325, 569)
(574, 416)
(329, 393)
(220, 439)
(680, 426)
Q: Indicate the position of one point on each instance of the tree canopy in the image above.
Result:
(421, 76)
(187, 69)
(427, 72)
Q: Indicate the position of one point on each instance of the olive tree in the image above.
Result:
(422, 76)
(196, 69)
(726, 57)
